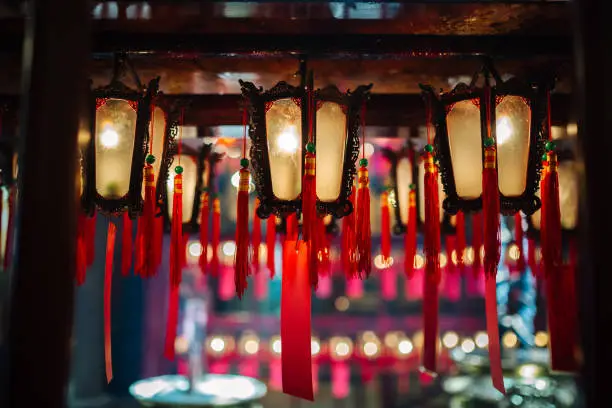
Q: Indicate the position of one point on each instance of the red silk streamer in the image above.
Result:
(108, 284)
(126, 245)
(559, 280)
(385, 228)
(477, 242)
(362, 227)
(256, 239)
(295, 322)
(216, 237)
(204, 215)
(323, 251)
(271, 244)
(348, 241)
(410, 240)
(432, 265)
(241, 260)
(292, 228)
(146, 258)
(81, 256)
(309, 215)
(492, 246)
(176, 260)
(518, 238)
(8, 244)
(460, 242)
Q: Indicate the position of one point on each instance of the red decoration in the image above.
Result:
(176, 245)
(518, 239)
(348, 241)
(477, 242)
(81, 255)
(309, 215)
(410, 242)
(385, 228)
(108, 284)
(271, 244)
(362, 227)
(256, 238)
(146, 259)
(204, 215)
(460, 242)
(216, 237)
(241, 262)
(8, 245)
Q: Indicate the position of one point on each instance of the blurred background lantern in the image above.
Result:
(188, 160)
(114, 159)
(402, 178)
(280, 121)
(516, 120)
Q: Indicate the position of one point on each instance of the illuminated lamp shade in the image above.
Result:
(402, 176)
(162, 143)
(515, 113)
(568, 196)
(190, 177)
(113, 161)
(207, 160)
(280, 121)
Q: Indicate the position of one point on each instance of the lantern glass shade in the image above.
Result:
(403, 175)
(331, 136)
(512, 134)
(114, 147)
(465, 143)
(441, 195)
(158, 134)
(284, 131)
(568, 197)
(190, 175)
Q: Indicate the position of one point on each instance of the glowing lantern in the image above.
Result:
(280, 121)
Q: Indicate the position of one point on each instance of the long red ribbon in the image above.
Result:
(108, 284)
(493, 331)
(295, 322)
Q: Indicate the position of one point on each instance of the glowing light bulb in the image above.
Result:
(510, 340)
(482, 339)
(109, 137)
(370, 349)
(195, 249)
(315, 347)
(251, 346)
(276, 346)
(405, 347)
(468, 346)
(288, 140)
(503, 129)
(541, 339)
(450, 340)
(229, 248)
(342, 349)
(217, 344)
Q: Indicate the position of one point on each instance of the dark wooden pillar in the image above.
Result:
(54, 84)
(593, 90)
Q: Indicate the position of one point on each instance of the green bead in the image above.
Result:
(363, 162)
(150, 159)
(178, 169)
(550, 146)
(244, 162)
(413, 186)
(310, 147)
(544, 157)
(489, 142)
(429, 148)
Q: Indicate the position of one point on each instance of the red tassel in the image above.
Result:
(518, 239)
(460, 242)
(309, 214)
(385, 228)
(216, 237)
(81, 256)
(492, 247)
(348, 241)
(176, 246)
(271, 244)
(477, 242)
(204, 215)
(410, 242)
(292, 227)
(241, 261)
(362, 227)
(146, 241)
(126, 245)
(432, 264)
(559, 280)
(256, 238)
(108, 284)
(8, 245)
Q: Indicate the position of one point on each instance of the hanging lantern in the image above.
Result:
(280, 121)
(114, 160)
(515, 123)
(189, 162)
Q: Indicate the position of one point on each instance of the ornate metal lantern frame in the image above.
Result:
(170, 146)
(140, 100)
(533, 94)
(261, 101)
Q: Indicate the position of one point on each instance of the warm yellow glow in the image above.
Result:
(529, 371)
(229, 248)
(403, 174)
(315, 346)
(217, 344)
(251, 347)
(417, 339)
(467, 345)
(443, 260)
(157, 131)
(381, 263)
(369, 150)
(340, 347)
(331, 143)
(370, 349)
(468, 256)
(514, 252)
(465, 142)
(421, 193)
(181, 345)
(419, 261)
(368, 335)
(284, 133)
(450, 339)
(190, 175)
(276, 345)
(541, 339)
(510, 340)
(392, 339)
(405, 347)
(482, 340)
(114, 147)
(194, 249)
(342, 303)
(514, 116)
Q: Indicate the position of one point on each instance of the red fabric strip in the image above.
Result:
(270, 243)
(493, 331)
(8, 244)
(108, 284)
(204, 215)
(430, 322)
(295, 322)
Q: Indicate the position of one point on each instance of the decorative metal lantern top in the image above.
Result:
(516, 122)
(280, 119)
(115, 157)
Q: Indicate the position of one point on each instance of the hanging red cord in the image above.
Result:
(241, 260)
